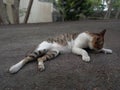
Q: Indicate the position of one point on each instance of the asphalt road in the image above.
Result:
(66, 72)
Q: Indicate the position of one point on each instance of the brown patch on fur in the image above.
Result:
(63, 39)
(98, 39)
(98, 42)
(38, 54)
(47, 56)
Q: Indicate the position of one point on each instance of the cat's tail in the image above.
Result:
(33, 56)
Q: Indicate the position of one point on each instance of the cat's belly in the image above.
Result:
(62, 49)
(55, 46)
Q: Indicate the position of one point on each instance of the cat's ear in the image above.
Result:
(103, 32)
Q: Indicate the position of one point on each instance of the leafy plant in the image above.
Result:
(73, 9)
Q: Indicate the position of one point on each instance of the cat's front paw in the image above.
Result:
(108, 51)
(86, 58)
(41, 66)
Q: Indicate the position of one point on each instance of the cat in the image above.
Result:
(65, 43)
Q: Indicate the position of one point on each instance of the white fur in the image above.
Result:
(41, 66)
(44, 45)
(54, 47)
(15, 68)
(82, 41)
(109, 51)
(62, 49)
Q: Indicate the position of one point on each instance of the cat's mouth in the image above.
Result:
(97, 49)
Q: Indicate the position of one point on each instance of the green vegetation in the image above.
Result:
(81, 9)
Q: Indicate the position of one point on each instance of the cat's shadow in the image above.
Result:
(92, 51)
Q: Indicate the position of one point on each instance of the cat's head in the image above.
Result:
(98, 40)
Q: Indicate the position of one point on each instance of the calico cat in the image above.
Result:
(65, 43)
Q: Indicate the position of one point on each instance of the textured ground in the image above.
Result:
(66, 72)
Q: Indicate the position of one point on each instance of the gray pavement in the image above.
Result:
(66, 72)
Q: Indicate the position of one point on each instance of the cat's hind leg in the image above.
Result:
(39, 51)
(33, 56)
(49, 55)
